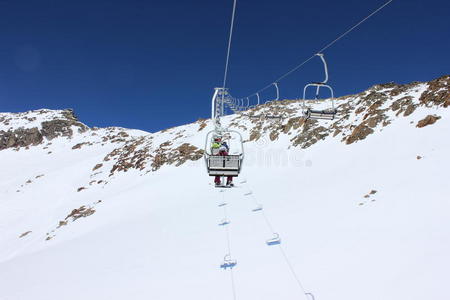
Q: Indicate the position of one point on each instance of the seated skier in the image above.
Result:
(215, 146)
(224, 144)
(223, 151)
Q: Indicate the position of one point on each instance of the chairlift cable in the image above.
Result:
(229, 45)
(324, 48)
(356, 25)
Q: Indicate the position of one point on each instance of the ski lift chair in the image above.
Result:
(229, 165)
(257, 104)
(274, 117)
(254, 117)
(325, 114)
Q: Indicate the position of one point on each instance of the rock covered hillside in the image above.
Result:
(359, 116)
(359, 201)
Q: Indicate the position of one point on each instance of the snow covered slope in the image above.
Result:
(360, 204)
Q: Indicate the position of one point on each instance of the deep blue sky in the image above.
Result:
(153, 64)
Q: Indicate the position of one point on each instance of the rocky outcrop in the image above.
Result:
(20, 138)
(133, 155)
(62, 126)
(438, 92)
(359, 116)
(140, 154)
(83, 211)
(428, 120)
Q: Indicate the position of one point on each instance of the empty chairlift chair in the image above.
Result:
(328, 113)
(274, 117)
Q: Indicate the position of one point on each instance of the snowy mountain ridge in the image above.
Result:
(359, 116)
(117, 213)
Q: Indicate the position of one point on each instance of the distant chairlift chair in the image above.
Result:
(326, 114)
(253, 116)
(274, 117)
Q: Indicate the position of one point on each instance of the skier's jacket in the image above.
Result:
(224, 144)
(215, 145)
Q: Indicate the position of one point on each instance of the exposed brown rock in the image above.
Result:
(255, 135)
(274, 135)
(309, 136)
(61, 223)
(202, 124)
(24, 234)
(129, 156)
(428, 120)
(97, 166)
(78, 146)
(81, 212)
(57, 128)
(404, 105)
(294, 123)
(20, 138)
(177, 156)
(359, 133)
(438, 92)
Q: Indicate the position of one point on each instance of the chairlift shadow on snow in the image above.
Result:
(275, 240)
(228, 262)
(259, 207)
(224, 222)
